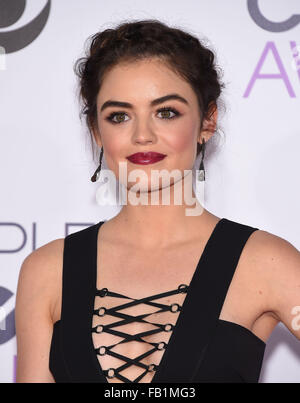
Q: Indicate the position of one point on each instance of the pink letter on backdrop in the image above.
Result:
(296, 56)
(282, 75)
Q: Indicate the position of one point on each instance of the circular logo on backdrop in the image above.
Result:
(10, 12)
(267, 24)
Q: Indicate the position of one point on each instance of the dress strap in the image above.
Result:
(78, 288)
(204, 302)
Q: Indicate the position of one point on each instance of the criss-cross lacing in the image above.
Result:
(125, 319)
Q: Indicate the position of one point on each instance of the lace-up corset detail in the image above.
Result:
(123, 318)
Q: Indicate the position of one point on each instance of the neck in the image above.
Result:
(160, 220)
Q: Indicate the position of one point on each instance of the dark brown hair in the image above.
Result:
(183, 52)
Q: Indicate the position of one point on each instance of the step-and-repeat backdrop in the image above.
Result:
(45, 155)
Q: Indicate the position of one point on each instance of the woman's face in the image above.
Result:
(142, 127)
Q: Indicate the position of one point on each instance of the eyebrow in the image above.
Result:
(152, 103)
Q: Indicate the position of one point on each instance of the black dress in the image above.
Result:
(201, 348)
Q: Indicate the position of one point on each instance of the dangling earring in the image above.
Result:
(201, 174)
(96, 175)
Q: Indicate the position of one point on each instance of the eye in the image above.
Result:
(166, 110)
(118, 114)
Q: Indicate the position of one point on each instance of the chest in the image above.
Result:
(140, 315)
(139, 272)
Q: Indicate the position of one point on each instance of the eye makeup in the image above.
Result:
(111, 116)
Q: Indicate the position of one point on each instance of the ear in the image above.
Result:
(209, 123)
(96, 134)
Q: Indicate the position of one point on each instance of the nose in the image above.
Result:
(143, 134)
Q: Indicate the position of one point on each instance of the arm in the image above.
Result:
(36, 291)
(281, 267)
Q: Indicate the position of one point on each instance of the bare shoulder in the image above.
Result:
(38, 282)
(276, 263)
(41, 272)
(44, 263)
(272, 254)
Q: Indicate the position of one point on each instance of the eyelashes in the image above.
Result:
(163, 109)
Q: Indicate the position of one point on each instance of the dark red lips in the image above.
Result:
(146, 157)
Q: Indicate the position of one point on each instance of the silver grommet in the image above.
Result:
(102, 307)
(151, 367)
(174, 305)
(183, 287)
(101, 347)
(161, 345)
(99, 329)
(113, 370)
(168, 324)
(104, 292)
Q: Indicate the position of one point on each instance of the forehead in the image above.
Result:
(143, 80)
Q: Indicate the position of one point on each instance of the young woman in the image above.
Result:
(154, 294)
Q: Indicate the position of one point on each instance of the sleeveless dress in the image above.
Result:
(201, 347)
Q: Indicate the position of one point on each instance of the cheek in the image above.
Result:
(183, 137)
(112, 153)
(113, 148)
